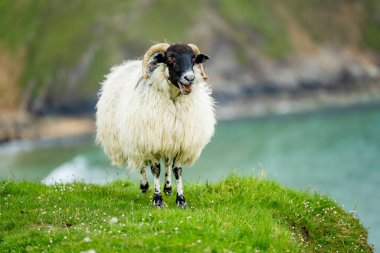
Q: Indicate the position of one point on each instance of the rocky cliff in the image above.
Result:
(266, 56)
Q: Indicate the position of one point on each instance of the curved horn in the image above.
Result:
(195, 48)
(196, 52)
(153, 49)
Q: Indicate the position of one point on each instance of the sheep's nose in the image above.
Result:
(189, 77)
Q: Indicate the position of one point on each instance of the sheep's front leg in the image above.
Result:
(144, 185)
(157, 197)
(180, 200)
(168, 177)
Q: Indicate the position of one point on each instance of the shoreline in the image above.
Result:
(22, 127)
(17, 127)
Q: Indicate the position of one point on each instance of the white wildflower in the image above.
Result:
(89, 251)
(114, 220)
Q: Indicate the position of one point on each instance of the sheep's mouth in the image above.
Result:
(184, 88)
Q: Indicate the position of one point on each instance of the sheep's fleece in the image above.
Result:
(140, 122)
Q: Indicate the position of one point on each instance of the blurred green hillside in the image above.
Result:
(54, 54)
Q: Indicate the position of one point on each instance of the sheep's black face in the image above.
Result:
(180, 60)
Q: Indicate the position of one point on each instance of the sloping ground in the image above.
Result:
(236, 215)
(11, 67)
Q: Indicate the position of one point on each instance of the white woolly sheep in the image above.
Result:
(157, 109)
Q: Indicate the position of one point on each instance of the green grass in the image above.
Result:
(258, 20)
(371, 29)
(235, 215)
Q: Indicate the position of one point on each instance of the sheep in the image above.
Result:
(157, 110)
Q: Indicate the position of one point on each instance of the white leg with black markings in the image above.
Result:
(144, 185)
(180, 200)
(168, 177)
(157, 197)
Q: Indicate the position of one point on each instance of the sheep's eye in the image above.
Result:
(170, 59)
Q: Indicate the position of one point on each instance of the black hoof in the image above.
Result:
(168, 190)
(157, 200)
(144, 188)
(181, 202)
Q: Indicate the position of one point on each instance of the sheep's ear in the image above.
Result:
(153, 63)
(159, 58)
(201, 58)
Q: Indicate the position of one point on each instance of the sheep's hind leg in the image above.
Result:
(157, 197)
(168, 178)
(144, 185)
(180, 200)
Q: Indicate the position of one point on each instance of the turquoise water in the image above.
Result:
(333, 153)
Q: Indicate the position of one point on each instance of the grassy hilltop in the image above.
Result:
(235, 215)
